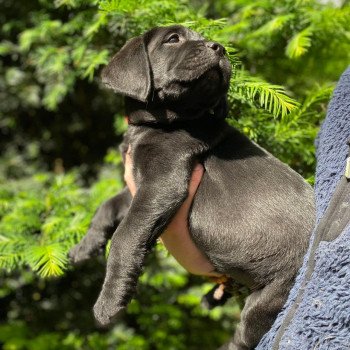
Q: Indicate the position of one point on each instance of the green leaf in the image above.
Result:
(92, 60)
(7, 47)
(273, 98)
(299, 44)
(274, 25)
(12, 250)
(48, 260)
(100, 21)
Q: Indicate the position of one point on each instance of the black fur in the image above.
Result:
(251, 216)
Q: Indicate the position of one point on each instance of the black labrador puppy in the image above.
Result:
(251, 216)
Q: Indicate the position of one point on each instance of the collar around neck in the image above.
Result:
(140, 113)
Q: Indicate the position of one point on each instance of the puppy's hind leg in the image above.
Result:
(259, 313)
(104, 223)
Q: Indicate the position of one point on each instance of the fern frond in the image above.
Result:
(318, 96)
(331, 20)
(47, 261)
(5, 205)
(94, 59)
(117, 5)
(12, 250)
(100, 20)
(249, 10)
(205, 25)
(23, 218)
(10, 261)
(299, 44)
(272, 26)
(53, 224)
(13, 241)
(272, 98)
(46, 218)
(66, 230)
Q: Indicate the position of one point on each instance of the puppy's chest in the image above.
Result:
(156, 150)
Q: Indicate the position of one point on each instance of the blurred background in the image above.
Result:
(59, 159)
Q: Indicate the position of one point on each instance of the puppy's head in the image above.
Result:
(172, 67)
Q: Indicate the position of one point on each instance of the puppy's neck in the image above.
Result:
(140, 113)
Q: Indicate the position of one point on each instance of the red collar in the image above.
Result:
(127, 119)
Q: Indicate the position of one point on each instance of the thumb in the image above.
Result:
(196, 178)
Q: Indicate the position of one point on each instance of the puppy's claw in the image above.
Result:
(104, 312)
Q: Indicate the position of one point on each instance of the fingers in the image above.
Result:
(179, 223)
(128, 176)
(195, 180)
(177, 239)
(196, 177)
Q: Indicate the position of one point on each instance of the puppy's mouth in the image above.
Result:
(217, 76)
(217, 73)
(212, 78)
(213, 75)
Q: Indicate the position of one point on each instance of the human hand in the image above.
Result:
(176, 237)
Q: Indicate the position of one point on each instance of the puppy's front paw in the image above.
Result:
(79, 254)
(105, 311)
(85, 250)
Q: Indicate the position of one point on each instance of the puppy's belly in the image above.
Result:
(257, 224)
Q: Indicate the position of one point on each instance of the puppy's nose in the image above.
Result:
(216, 47)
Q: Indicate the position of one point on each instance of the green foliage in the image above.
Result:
(256, 91)
(44, 218)
(58, 124)
(299, 43)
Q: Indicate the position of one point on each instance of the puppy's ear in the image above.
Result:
(128, 73)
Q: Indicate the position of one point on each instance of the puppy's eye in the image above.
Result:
(173, 38)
